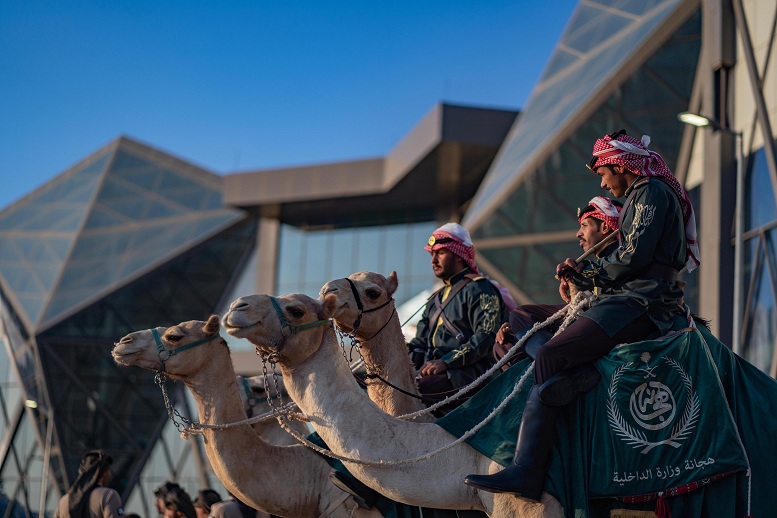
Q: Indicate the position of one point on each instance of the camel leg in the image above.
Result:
(526, 476)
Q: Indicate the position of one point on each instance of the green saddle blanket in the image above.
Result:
(681, 418)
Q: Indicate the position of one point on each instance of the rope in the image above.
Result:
(570, 311)
(464, 437)
(199, 428)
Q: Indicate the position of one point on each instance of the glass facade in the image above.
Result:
(126, 240)
(130, 238)
(546, 199)
(760, 273)
(309, 259)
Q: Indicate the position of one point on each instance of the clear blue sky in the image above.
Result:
(238, 85)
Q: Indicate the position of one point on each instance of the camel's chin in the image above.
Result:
(237, 331)
(126, 360)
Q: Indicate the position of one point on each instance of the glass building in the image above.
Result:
(131, 237)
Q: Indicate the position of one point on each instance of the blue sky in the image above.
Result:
(240, 85)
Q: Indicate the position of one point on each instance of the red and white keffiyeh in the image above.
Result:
(604, 210)
(634, 156)
(455, 238)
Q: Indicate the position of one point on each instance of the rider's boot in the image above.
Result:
(564, 387)
(526, 476)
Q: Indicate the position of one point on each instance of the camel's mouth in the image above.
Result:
(233, 322)
(120, 354)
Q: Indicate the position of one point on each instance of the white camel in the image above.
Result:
(289, 481)
(296, 331)
(365, 308)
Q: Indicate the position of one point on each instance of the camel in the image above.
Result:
(365, 308)
(289, 481)
(296, 331)
(254, 398)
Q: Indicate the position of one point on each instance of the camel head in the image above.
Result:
(286, 329)
(179, 351)
(360, 298)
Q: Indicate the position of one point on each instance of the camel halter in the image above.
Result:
(160, 378)
(293, 330)
(165, 353)
(360, 307)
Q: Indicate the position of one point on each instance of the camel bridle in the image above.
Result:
(360, 307)
(165, 353)
(160, 377)
(292, 330)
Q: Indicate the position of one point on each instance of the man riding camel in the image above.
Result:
(597, 220)
(456, 332)
(637, 294)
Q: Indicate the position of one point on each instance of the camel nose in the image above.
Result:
(127, 339)
(328, 290)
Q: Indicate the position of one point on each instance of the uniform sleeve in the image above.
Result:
(484, 314)
(641, 232)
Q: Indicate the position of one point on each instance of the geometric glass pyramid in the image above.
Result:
(104, 222)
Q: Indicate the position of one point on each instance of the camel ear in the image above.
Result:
(211, 327)
(328, 306)
(391, 283)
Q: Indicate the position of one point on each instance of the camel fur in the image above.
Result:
(289, 481)
(381, 340)
(255, 401)
(318, 379)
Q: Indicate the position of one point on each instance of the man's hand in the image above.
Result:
(433, 367)
(505, 335)
(564, 270)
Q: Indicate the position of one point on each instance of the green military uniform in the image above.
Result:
(636, 277)
(476, 311)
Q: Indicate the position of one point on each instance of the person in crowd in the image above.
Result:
(89, 497)
(598, 221)
(178, 504)
(209, 503)
(455, 335)
(638, 297)
(159, 495)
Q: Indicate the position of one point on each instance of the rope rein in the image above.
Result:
(570, 312)
(284, 412)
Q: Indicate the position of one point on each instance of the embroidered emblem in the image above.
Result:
(643, 217)
(490, 306)
(652, 405)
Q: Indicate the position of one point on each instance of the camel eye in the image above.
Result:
(173, 338)
(296, 312)
(372, 293)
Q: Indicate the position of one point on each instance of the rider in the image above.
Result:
(597, 220)
(638, 295)
(455, 335)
